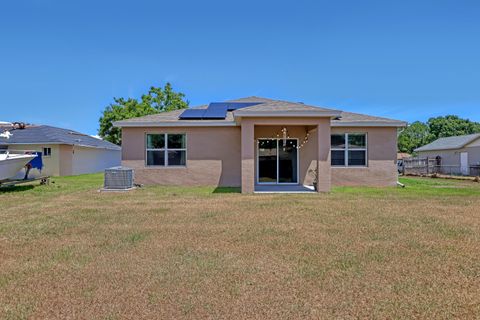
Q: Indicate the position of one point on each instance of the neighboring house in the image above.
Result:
(458, 155)
(260, 143)
(64, 152)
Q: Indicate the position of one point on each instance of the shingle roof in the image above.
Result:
(450, 143)
(276, 105)
(170, 116)
(266, 106)
(53, 135)
(350, 117)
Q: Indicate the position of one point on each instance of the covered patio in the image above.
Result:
(285, 155)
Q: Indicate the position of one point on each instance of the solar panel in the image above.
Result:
(192, 114)
(215, 110)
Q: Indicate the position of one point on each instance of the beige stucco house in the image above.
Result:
(261, 144)
(64, 152)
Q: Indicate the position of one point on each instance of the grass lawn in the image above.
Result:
(67, 251)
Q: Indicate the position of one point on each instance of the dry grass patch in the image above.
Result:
(67, 251)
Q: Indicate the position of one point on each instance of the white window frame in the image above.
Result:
(45, 154)
(165, 150)
(347, 148)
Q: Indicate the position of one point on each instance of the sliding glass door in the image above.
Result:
(267, 161)
(277, 161)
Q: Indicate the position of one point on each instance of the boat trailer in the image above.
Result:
(45, 180)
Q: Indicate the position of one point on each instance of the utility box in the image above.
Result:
(118, 178)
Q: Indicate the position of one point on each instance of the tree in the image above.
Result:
(165, 99)
(418, 133)
(155, 101)
(451, 125)
(415, 135)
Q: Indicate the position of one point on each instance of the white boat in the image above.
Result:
(10, 164)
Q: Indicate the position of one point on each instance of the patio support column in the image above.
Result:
(323, 155)
(248, 156)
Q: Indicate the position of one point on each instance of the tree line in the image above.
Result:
(419, 133)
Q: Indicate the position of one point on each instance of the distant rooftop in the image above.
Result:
(42, 134)
(450, 143)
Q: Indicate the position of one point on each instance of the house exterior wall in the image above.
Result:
(91, 160)
(66, 159)
(217, 156)
(473, 155)
(51, 164)
(449, 157)
(213, 157)
(381, 169)
(473, 150)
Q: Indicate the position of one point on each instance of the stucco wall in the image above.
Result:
(381, 169)
(91, 160)
(213, 157)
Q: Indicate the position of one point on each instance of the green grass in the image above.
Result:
(417, 188)
(414, 187)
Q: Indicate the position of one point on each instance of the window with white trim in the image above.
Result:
(349, 150)
(166, 149)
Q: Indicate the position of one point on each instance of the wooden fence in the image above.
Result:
(419, 166)
(428, 166)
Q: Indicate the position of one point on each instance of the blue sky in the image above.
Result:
(62, 62)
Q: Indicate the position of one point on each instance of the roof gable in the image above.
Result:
(449, 143)
(270, 105)
(474, 143)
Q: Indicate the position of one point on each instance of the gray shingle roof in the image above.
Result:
(276, 105)
(349, 117)
(450, 143)
(53, 135)
(170, 116)
(266, 105)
